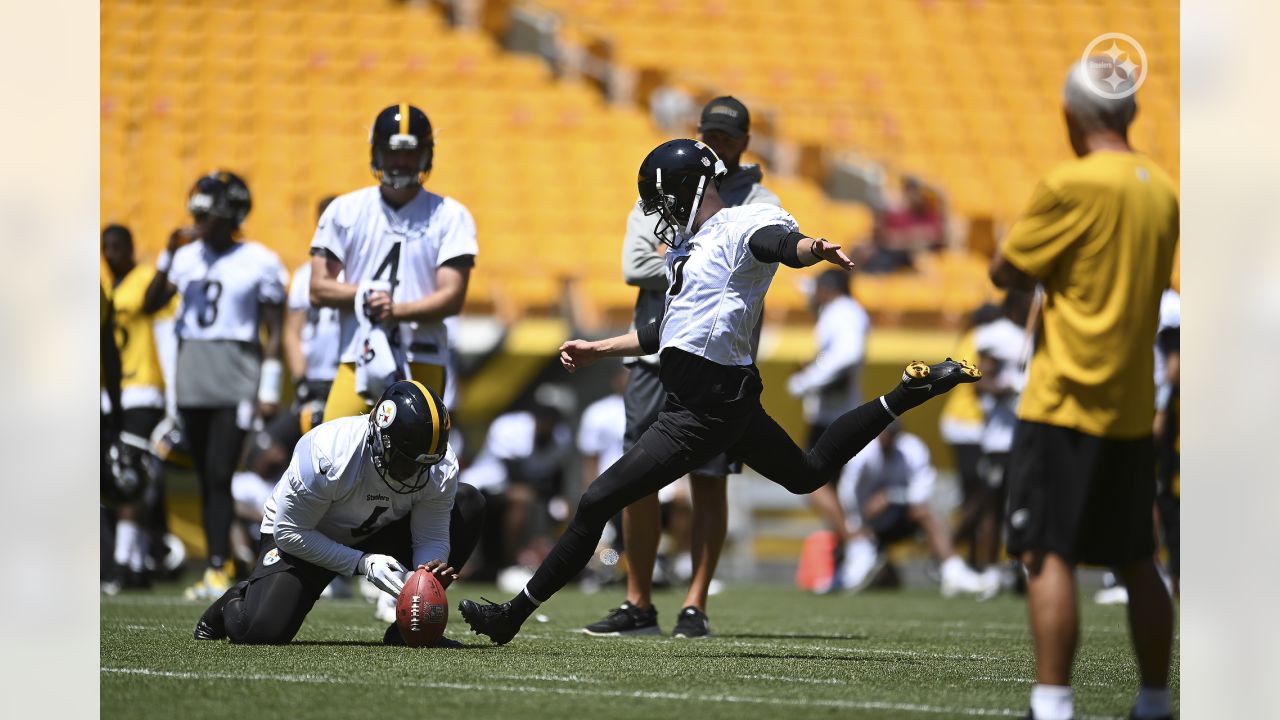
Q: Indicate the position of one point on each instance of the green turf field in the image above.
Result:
(777, 653)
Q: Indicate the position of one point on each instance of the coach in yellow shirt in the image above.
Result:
(1099, 237)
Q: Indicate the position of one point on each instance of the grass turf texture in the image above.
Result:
(776, 652)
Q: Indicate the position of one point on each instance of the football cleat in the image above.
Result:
(692, 623)
(491, 619)
(212, 625)
(937, 379)
(626, 619)
(213, 584)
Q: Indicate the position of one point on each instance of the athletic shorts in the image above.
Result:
(643, 399)
(1085, 498)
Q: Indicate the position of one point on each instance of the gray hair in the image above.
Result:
(1092, 111)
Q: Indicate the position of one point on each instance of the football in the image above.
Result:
(422, 610)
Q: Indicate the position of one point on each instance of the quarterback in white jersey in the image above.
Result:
(406, 255)
(371, 496)
(719, 266)
(229, 288)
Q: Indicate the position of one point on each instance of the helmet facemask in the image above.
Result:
(403, 473)
(396, 178)
(675, 222)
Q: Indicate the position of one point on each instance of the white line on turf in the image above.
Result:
(594, 692)
(811, 681)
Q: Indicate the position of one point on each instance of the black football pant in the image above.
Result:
(714, 410)
(269, 608)
(216, 443)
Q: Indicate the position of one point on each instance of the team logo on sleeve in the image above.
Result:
(272, 557)
(386, 413)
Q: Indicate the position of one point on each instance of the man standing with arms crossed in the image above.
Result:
(411, 251)
(725, 127)
(1099, 236)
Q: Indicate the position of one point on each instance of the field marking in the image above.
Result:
(637, 694)
(872, 651)
(811, 681)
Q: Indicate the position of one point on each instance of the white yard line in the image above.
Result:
(592, 692)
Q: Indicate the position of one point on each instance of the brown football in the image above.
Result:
(422, 610)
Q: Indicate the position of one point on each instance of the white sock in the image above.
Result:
(126, 538)
(954, 566)
(138, 553)
(1053, 702)
(1152, 703)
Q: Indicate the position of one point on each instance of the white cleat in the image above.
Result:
(960, 579)
(385, 609)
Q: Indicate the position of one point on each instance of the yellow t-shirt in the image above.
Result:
(962, 405)
(1100, 236)
(139, 363)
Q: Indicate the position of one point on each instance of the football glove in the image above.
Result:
(384, 571)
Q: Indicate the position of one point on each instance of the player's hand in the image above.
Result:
(576, 354)
(832, 253)
(181, 236)
(266, 411)
(442, 570)
(378, 306)
(384, 571)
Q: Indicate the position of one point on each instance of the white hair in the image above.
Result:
(1091, 110)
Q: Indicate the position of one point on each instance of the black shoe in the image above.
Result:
(934, 380)
(626, 619)
(692, 623)
(212, 625)
(491, 619)
(1133, 716)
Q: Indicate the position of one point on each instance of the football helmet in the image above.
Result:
(401, 127)
(221, 194)
(673, 178)
(132, 465)
(408, 433)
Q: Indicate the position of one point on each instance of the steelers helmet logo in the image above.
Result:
(385, 414)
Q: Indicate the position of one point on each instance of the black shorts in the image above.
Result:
(894, 523)
(1085, 498)
(643, 399)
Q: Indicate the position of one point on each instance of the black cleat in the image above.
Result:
(212, 625)
(626, 619)
(692, 623)
(934, 380)
(492, 619)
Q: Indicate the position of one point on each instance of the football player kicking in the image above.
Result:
(719, 266)
(365, 495)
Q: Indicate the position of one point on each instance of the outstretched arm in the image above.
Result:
(576, 354)
(775, 243)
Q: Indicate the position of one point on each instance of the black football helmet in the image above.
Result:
(132, 465)
(673, 178)
(401, 127)
(408, 433)
(221, 194)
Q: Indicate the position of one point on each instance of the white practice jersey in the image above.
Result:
(405, 247)
(830, 385)
(600, 433)
(331, 498)
(221, 293)
(321, 331)
(716, 286)
(905, 474)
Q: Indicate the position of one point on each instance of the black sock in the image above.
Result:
(900, 399)
(521, 606)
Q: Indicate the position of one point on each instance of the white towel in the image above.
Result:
(378, 364)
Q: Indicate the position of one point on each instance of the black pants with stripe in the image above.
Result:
(710, 409)
(277, 597)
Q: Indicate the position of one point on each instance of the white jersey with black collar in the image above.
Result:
(716, 286)
(331, 498)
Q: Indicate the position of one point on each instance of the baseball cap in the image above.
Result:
(726, 113)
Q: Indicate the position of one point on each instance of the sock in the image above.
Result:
(1152, 703)
(523, 605)
(138, 553)
(899, 400)
(953, 565)
(126, 538)
(1052, 702)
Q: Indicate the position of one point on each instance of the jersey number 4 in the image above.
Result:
(390, 262)
(366, 527)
